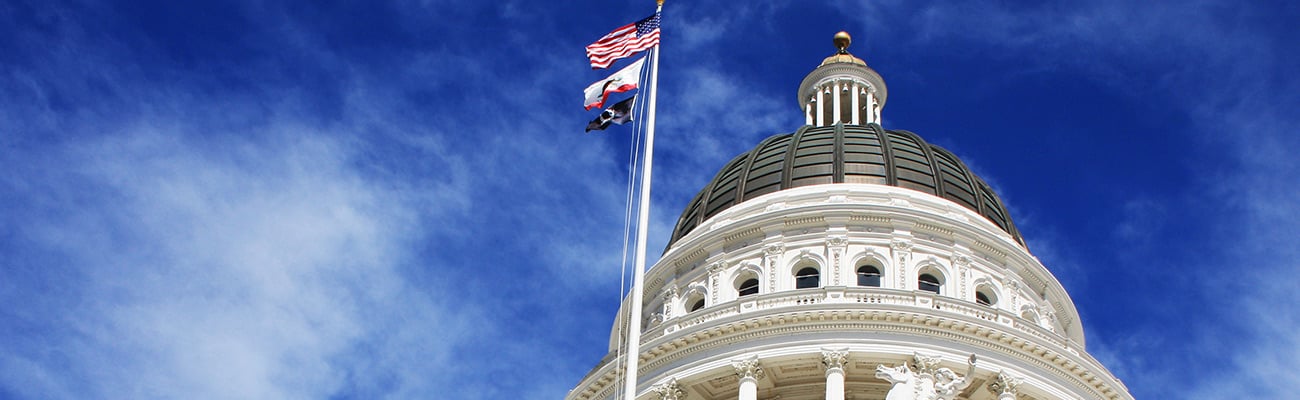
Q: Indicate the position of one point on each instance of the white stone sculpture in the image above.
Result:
(926, 383)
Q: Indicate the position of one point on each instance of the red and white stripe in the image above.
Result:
(620, 43)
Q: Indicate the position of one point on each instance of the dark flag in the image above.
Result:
(619, 113)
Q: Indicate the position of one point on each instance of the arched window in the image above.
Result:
(694, 301)
(929, 283)
(748, 287)
(985, 295)
(807, 278)
(868, 275)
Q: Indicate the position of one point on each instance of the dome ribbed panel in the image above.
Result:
(725, 185)
(813, 159)
(767, 167)
(957, 184)
(864, 158)
(911, 166)
(844, 154)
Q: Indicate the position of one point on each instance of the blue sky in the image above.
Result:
(396, 199)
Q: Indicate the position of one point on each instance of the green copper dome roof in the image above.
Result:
(844, 154)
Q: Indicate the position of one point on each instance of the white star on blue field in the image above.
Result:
(358, 200)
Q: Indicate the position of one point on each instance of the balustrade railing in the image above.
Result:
(853, 298)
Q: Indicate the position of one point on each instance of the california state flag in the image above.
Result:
(624, 80)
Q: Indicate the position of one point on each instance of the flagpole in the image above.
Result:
(642, 229)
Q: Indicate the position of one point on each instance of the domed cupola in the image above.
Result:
(844, 143)
(842, 89)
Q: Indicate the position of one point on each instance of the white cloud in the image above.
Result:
(225, 269)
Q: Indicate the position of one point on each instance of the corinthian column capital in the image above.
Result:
(834, 358)
(1005, 386)
(748, 368)
(670, 390)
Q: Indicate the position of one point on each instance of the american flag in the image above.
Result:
(624, 41)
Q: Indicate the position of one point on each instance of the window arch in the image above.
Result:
(698, 304)
(746, 285)
(868, 275)
(986, 296)
(930, 282)
(807, 277)
(694, 298)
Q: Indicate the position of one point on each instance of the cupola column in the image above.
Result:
(857, 110)
(835, 91)
(853, 90)
(821, 108)
(833, 362)
(749, 372)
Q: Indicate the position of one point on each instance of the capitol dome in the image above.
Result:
(844, 154)
(845, 261)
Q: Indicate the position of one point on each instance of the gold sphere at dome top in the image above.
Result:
(842, 41)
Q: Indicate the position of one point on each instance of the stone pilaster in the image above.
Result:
(902, 253)
(715, 270)
(771, 255)
(835, 247)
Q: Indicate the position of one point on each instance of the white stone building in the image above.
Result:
(847, 261)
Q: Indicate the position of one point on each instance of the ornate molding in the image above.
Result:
(1005, 386)
(772, 252)
(902, 251)
(669, 390)
(748, 368)
(925, 364)
(837, 241)
(836, 245)
(834, 358)
(714, 270)
(669, 292)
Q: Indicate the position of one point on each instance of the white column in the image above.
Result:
(821, 106)
(838, 111)
(749, 372)
(857, 109)
(808, 113)
(833, 362)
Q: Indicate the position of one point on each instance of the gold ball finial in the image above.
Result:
(842, 41)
